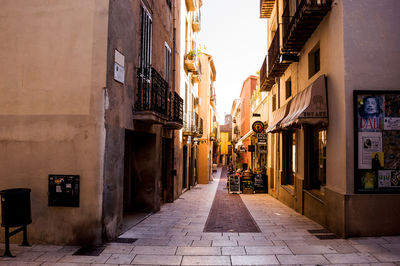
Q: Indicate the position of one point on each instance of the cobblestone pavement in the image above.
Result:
(174, 236)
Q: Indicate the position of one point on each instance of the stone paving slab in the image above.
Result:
(175, 236)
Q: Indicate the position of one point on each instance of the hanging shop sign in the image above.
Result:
(258, 127)
(261, 138)
(377, 141)
(262, 149)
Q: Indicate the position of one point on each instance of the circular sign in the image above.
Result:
(258, 127)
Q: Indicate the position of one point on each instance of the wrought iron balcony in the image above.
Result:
(266, 82)
(152, 97)
(298, 28)
(176, 112)
(200, 128)
(266, 7)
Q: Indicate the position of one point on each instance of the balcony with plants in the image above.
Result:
(190, 60)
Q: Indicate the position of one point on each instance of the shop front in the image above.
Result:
(300, 129)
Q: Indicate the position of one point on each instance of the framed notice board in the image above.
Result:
(377, 141)
(234, 184)
(64, 190)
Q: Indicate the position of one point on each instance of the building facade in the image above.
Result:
(92, 109)
(321, 56)
(242, 146)
(207, 100)
(190, 76)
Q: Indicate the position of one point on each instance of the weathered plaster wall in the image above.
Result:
(124, 36)
(51, 110)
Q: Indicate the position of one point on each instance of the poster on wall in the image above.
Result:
(369, 142)
(377, 141)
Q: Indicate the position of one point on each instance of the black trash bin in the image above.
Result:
(15, 212)
(15, 207)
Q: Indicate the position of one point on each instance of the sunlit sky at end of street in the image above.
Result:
(236, 38)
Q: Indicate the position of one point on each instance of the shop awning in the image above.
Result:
(309, 106)
(277, 117)
(240, 141)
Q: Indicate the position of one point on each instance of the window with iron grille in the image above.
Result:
(146, 40)
(167, 63)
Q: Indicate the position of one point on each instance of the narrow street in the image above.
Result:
(175, 236)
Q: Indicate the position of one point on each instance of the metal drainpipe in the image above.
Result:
(174, 172)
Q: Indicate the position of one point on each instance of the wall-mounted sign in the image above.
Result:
(258, 127)
(261, 138)
(119, 64)
(377, 141)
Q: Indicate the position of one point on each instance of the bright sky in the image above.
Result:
(236, 38)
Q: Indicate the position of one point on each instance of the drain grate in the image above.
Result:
(124, 240)
(330, 236)
(89, 251)
(319, 231)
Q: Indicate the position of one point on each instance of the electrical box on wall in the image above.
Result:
(64, 190)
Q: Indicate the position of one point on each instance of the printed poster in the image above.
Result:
(368, 179)
(384, 178)
(391, 149)
(395, 180)
(368, 143)
(370, 112)
(392, 112)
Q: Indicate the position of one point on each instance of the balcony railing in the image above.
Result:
(200, 128)
(153, 94)
(274, 52)
(266, 81)
(155, 103)
(191, 124)
(298, 29)
(176, 114)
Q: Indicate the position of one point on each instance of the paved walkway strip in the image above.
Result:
(228, 212)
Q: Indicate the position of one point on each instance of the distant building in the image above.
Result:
(242, 146)
(207, 100)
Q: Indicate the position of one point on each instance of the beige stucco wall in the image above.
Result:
(329, 34)
(205, 157)
(53, 73)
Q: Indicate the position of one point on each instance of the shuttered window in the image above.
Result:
(167, 63)
(145, 50)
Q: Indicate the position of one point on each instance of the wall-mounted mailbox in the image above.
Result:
(64, 190)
